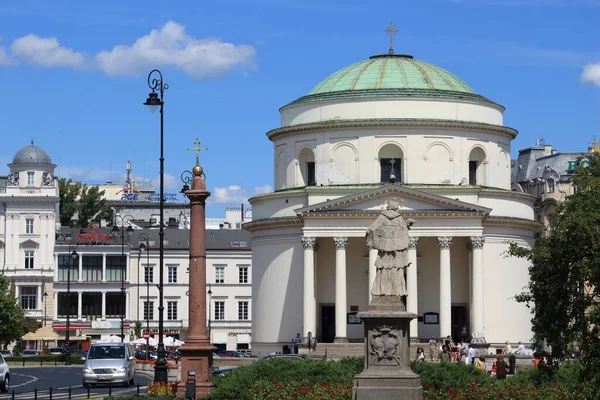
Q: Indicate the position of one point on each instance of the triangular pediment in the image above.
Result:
(29, 244)
(373, 200)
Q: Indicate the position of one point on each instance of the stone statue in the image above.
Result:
(13, 179)
(389, 236)
(47, 179)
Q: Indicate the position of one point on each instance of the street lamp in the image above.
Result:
(209, 311)
(45, 298)
(116, 230)
(145, 245)
(72, 257)
(155, 102)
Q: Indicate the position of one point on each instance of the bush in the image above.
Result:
(265, 390)
(237, 384)
(449, 375)
(142, 397)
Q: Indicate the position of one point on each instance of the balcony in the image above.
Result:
(31, 191)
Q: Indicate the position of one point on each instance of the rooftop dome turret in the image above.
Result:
(31, 154)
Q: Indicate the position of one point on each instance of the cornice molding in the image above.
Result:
(511, 222)
(271, 223)
(390, 123)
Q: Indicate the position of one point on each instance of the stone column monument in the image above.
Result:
(197, 352)
(387, 373)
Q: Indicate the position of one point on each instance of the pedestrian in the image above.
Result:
(445, 355)
(480, 363)
(520, 349)
(433, 348)
(309, 341)
(507, 350)
(472, 354)
(296, 341)
(420, 354)
(501, 367)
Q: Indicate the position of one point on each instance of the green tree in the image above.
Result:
(13, 323)
(85, 201)
(565, 274)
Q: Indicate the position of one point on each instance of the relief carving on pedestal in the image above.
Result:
(384, 346)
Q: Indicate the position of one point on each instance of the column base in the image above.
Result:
(383, 388)
(340, 340)
(197, 355)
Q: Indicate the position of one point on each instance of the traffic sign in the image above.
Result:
(146, 335)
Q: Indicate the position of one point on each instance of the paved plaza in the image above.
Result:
(25, 380)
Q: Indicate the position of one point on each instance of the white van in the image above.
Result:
(109, 363)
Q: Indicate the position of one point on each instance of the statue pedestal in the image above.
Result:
(387, 373)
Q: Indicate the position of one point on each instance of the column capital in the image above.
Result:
(309, 242)
(445, 242)
(476, 242)
(340, 242)
(413, 242)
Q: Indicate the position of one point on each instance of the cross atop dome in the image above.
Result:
(392, 31)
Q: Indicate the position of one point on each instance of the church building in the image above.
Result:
(390, 127)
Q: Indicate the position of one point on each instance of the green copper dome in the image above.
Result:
(391, 71)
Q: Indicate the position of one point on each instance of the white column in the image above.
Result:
(39, 297)
(17, 290)
(340, 289)
(372, 270)
(56, 268)
(103, 306)
(103, 267)
(127, 268)
(79, 304)
(127, 305)
(309, 299)
(80, 268)
(55, 296)
(470, 257)
(412, 299)
(477, 243)
(445, 287)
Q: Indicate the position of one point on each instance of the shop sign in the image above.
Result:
(93, 234)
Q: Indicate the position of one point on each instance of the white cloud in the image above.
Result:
(263, 189)
(591, 74)
(235, 194)
(45, 52)
(5, 59)
(172, 46)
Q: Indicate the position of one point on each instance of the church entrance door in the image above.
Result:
(459, 320)
(327, 324)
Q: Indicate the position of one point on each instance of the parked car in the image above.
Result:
(4, 376)
(55, 351)
(29, 353)
(81, 353)
(172, 355)
(109, 363)
(6, 353)
(232, 353)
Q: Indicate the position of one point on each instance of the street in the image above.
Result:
(25, 380)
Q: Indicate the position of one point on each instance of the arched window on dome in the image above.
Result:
(476, 167)
(390, 155)
(307, 166)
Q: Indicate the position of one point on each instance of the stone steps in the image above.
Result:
(338, 351)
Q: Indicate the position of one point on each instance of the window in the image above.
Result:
(172, 273)
(149, 274)
(67, 305)
(29, 226)
(310, 174)
(28, 297)
(550, 185)
(114, 268)
(64, 261)
(243, 310)
(385, 165)
(91, 269)
(243, 274)
(171, 310)
(29, 259)
(219, 274)
(148, 310)
(472, 172)
(219, 310)
(30, 176)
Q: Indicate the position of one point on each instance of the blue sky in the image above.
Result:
(74, 74)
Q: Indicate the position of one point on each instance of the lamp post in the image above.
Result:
(155, 102)
(116, 230)
(72, 257)
(45, 299)
(145, 245)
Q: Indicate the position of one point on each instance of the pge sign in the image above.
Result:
(129, 196)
